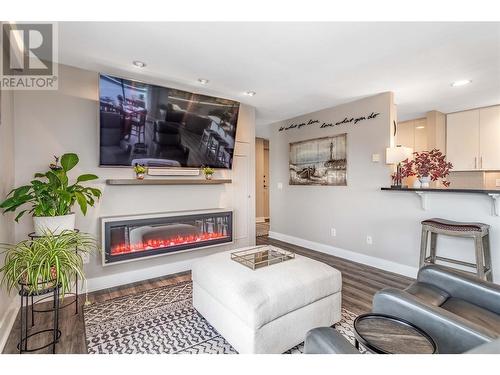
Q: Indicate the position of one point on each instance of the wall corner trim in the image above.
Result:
(7, 322)
(383, 264)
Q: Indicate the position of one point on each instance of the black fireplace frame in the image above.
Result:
(166, 218)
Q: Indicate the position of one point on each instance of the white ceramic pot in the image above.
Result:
(417, 184)
(425, 181)
(54, 224)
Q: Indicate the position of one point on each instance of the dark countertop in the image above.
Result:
(445, 190)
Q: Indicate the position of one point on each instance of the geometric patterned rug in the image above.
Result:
(163, 320)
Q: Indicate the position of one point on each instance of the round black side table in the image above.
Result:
(385, 334)
(25, 294)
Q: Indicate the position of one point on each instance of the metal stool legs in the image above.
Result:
(487, 257)
(423, 246)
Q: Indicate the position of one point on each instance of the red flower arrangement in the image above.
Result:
(431, 164)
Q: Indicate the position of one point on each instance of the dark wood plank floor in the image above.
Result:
(360, 283)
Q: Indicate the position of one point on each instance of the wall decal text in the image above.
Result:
(346, 120)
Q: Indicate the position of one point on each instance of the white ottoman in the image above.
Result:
(268, 310)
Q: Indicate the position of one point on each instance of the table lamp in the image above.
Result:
(395, 155)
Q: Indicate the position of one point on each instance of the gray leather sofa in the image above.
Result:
(459, 311)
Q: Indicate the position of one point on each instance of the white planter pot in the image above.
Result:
(54, 224)
(425, 181)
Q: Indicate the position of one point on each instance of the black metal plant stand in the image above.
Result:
(25, 294)
(51, 292)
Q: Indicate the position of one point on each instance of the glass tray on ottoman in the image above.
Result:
(261, 256)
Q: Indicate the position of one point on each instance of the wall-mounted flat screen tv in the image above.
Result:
(163, 127)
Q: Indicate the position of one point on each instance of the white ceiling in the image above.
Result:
(297, 68)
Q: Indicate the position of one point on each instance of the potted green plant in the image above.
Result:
(140, 170)
(208, 172)
(51, 197)
(45, 261)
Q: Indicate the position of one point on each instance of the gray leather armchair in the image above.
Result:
(326, 340)
(460, 312)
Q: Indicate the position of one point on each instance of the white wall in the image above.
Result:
(54, 122)
(8, 303)
(305, 214)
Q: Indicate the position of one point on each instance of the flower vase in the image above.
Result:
(425, 182)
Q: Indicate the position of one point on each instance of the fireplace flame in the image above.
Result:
(164, 243)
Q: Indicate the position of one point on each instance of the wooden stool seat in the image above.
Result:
(479, 232)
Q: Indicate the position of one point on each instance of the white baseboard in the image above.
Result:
(117, 279)
(383, 264)
(7, 321)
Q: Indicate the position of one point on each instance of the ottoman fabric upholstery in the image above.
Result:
(268, 310)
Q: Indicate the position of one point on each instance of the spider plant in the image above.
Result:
(45, 261)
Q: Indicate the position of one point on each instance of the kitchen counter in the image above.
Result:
(445, 190)
(494, 194)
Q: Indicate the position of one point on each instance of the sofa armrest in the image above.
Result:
(452, 333)
(326, 340)
(460, 285)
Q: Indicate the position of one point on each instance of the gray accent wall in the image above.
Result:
(305, 215)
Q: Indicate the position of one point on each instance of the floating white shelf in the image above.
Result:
(168, 181)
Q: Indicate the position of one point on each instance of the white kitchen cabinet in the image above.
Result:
(405, 135)
(462, 140)
(489, 138)
(473, 139)
(420, 126)
(423, 134)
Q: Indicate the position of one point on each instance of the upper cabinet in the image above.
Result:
(405, 135)
(473, 139)
(489, 138)
(423, 134)
(421, 141)
(462, 140)
(413, 134)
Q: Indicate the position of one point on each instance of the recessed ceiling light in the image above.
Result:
(461, 82)
(203, 81)
(139, 64)
(250, 93)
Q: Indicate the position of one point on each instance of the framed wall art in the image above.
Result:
(319, 161)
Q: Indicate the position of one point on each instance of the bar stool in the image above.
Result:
(478, 231)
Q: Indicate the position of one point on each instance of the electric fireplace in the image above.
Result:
(131, 237)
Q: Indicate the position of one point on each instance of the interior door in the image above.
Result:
(462, 140)
(266, 182)
(489, 135)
